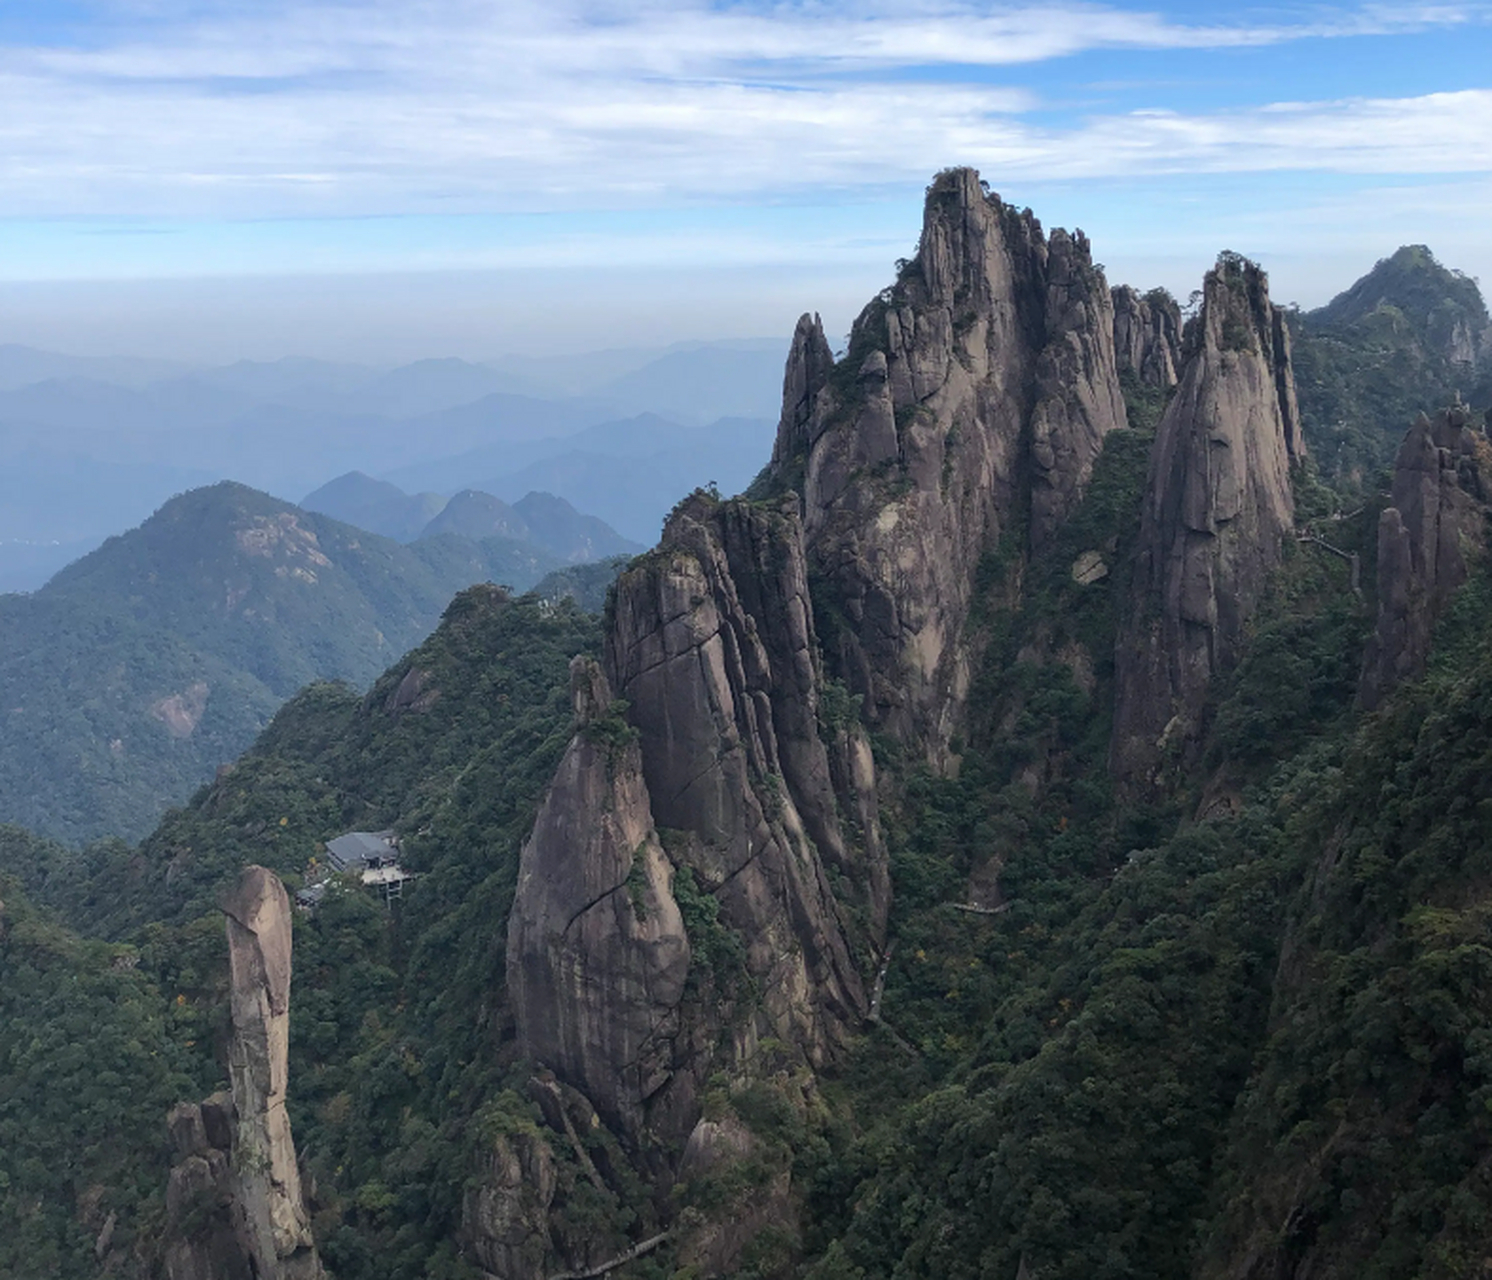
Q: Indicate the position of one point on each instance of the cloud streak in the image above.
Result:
(453, 105)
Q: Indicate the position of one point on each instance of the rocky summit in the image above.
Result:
(1037, 832)
(1218, 507)
(969, 408)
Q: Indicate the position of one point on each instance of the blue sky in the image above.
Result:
(555, 170)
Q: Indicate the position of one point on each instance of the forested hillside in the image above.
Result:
(1026, 1002)
(1412, 334)
(141, 668)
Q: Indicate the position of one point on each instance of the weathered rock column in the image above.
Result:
(1218, 507)
(258, 913)
(1426, 540)
(234, 1206)
(597, 954)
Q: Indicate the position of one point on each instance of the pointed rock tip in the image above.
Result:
(590, 691)
(256, 887)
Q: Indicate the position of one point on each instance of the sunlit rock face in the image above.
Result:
(715, 760)
(234, 1204)
(597, 953)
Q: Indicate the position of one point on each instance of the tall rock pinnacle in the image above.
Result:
(764, 798)
(234, 1205)
(1436, 525)
(1218, 507)
(976, 390)
(597, 954)
(1147, 336)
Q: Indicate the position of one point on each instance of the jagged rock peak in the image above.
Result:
(1435, 527)
(971, 403)
(236, 1154)
(1147, 336)
(724, 747)
(597, 954)
(1218, 506)
(810, 361)
(713, 647)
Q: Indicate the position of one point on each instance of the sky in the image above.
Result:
(388, 179)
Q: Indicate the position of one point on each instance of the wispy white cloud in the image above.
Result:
(309, 108)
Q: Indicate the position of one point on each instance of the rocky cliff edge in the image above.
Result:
(718, 763)
(970, 406)
(1218, 507)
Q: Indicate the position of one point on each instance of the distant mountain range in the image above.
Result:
(541, 519)
(90, 446)
(136, 671)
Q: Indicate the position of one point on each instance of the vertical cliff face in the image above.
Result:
(1147, 336)
(971, 404)
(1218, 507)
(766, 802)
(258, 919)
(1436, 525)
(597, 954)
(234, 1201)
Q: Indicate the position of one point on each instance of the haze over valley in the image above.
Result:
(90, 447)
(694, 641)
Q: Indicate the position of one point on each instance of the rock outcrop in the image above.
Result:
(1147, 336)
(505, 1210)
(1218, 507)
(1427, 538)
(766, 801)
(235, 1207)
(976, 389)
(205, 1239)
(597, 953)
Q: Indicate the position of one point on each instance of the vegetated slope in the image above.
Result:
(142, 667)
(1225, 1019)
(1407, 337)
(91, 1055)
(454, 746)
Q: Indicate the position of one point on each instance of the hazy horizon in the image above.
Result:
(394, 318)
(214, 181)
